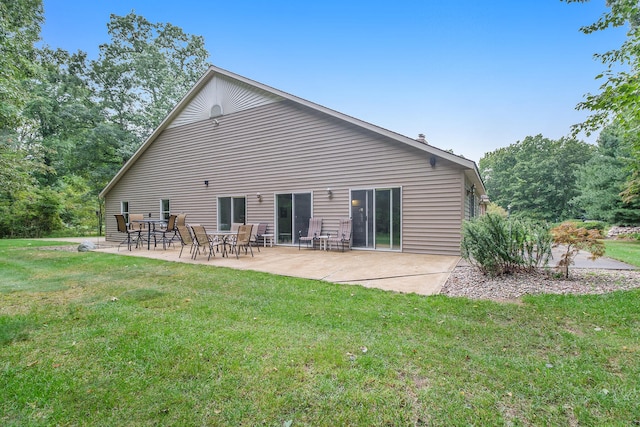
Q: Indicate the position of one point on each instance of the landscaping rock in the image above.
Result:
(622, 231)
(86, 246)
(466, 281)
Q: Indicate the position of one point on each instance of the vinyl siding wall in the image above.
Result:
(284, 147)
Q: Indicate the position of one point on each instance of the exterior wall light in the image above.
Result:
(259, 197)
(329, 192)
(206, 182)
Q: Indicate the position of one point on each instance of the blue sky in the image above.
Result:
(472, 75)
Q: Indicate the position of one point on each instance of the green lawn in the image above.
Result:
(624, 250)
(103, 339)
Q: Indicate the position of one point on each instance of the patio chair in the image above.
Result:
(313, 234)
(243, 240)
(344, 235)
(122, 228)
(203, 240)
(185, 238)
(181, 220)
(170, 233)
(231, 239)
(256, 233)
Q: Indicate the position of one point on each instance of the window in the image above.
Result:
(124, 210)
(165, 211)
(231, 209)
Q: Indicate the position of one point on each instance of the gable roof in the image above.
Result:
(256, 94)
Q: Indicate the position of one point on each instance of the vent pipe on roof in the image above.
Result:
(421, 138)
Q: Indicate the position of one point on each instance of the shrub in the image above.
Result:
(576, 239)
(498, 245)
(593, 225)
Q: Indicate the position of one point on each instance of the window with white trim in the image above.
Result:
(124, 210)
(231, 209)
(165, 209)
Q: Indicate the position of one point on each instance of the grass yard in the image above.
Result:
(624, 250)
(102, 339)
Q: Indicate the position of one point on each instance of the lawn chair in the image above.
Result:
(256, 233)
(231, 239)
(185, 238)
(181, 220)
(313, 234)
(243, 240)
(170, 233)
(203, 240)
(122, 228)
(344, 235)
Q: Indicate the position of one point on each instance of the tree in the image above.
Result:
(20, 22)
(573, 239)
(63, 111)
(144, 71)
(535, 177)
(618, 97)
(602, 179)
(67, 125)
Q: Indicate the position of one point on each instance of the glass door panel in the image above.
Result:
(383, 219)
(284, 210)
(362, 217)
(395, 218)
(293, 212)
(302, 213)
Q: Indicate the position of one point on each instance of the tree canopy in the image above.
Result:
(617, 100)
(68, 123)
(536, 177)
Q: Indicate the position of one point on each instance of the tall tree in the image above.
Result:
(618, 97)
(62, 109)
(20, 22)
(602, 179)
(144, 71)
(535, 177)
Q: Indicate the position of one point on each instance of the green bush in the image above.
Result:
(498, 245)
(586, 224)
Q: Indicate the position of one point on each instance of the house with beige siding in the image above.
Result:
(235, 150)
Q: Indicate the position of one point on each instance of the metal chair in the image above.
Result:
(344, 234)
(313, 234)
(256, 233)
(203, 240)
(243, 240)
(185, 238)
(171, 230)
(122, 228)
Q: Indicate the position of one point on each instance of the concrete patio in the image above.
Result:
(392, 271)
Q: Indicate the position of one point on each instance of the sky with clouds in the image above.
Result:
(473, 76)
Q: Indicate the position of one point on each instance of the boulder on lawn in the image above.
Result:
(86, 246)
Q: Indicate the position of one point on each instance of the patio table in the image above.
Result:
(150, 222)
(324, 239)
(266, 237)
(223, 236)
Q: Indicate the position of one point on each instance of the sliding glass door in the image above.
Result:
(376, 218)
(293, 211)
